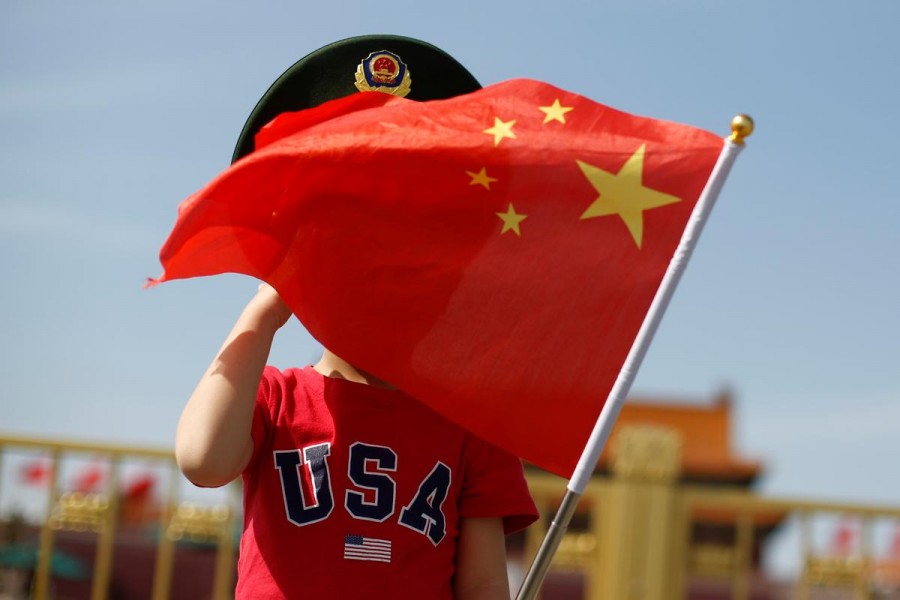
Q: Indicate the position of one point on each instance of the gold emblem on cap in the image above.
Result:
(383, 71)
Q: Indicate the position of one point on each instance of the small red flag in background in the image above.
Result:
(35, 472)
(493, 254)
(141, 486)
(894, 550)
(89, 479)
(845, 538)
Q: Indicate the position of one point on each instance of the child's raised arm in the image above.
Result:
(212, 443)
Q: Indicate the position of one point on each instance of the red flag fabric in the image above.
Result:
(493, 254)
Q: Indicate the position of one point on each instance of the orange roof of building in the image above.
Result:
(706, 452)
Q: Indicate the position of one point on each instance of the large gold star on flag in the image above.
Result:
(624, 194)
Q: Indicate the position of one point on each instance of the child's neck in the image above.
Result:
(332, 365)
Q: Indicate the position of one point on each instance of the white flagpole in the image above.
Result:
(741, 127)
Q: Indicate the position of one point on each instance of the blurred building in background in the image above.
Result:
(672, 514)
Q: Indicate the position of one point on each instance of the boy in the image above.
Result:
(352, 488)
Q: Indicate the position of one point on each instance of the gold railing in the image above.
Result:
(594, 551)
(98, 512)
(857, 572)
(634, 533)
(631, 538)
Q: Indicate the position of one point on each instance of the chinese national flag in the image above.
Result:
(493, 254)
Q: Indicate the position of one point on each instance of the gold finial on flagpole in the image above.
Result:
(741, 127)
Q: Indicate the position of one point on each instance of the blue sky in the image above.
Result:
(111, 114)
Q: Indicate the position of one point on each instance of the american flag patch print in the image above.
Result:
(357, 547)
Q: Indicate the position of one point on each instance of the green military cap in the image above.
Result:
(386, 63)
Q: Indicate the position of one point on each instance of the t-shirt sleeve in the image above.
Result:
(265, 410)
(494, 486)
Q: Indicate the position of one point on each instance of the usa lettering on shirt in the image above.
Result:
(369, 468)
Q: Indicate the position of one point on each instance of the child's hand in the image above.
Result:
(270, 305)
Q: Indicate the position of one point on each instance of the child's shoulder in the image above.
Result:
(280, 383)
(305, 373)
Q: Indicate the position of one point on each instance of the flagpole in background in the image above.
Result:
(741, 127)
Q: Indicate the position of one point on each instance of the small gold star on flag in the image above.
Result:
(501, 130)
(511, 220)
(555, 112)
(481, 178)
